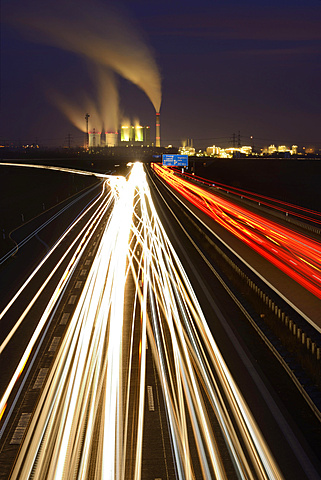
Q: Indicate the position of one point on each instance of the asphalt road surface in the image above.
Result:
(137, 370)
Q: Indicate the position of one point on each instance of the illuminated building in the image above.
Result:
(294, 150)
(111, 139)
(272, 149)
(127, 133)
(228, 152)
(102, 139)
(310, 150)
(231, 151)
(282, 148)
(213, 150)
(94, 138)
(134, 135)
(247, 150)
(187, 150)
(139, 134)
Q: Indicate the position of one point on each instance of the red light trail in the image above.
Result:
(295, 210)
(295, 254)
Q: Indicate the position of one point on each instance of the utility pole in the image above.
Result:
(239, 139)
(87, 133)
(69, 139)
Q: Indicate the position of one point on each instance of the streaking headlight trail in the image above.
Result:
(80, 427)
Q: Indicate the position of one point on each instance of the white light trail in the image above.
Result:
(59, 169)
(81, 425)
(81, 240)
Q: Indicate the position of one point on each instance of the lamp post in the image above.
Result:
(252, 143)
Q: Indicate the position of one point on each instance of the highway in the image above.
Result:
(27, 317)
(302, 213)
(138, 387)
(249, 360)
(295, 254)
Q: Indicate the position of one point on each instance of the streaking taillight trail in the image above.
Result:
(295, 254)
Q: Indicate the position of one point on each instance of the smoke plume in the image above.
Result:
(107, 101)
(75, 111)
(98, 33)
(103, 104)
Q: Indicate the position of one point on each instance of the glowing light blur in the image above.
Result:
(82, 416)
(295, 254)
(82, 240)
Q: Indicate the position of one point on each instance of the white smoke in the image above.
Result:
(74, 111)
(103, 104)
(107, 99)
(98, 33)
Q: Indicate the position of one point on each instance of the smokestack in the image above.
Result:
(157, 129)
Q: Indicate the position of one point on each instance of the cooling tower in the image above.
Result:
(157, 129)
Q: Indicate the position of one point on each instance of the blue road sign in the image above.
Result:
(175, 160)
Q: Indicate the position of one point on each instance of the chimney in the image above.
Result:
(157, 129)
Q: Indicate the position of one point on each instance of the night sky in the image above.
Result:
(225, 67)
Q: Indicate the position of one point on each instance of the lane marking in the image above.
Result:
(40, 378)
(150, 397)
(43, 243)
(64, 318)
(54, 344)
(284, 426)
(72, 299)
(20, 429)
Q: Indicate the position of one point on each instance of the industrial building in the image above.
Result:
(103, 139)
(134, 135)
(129, 135)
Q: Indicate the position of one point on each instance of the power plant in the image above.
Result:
(134, 135)
(128, 135)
